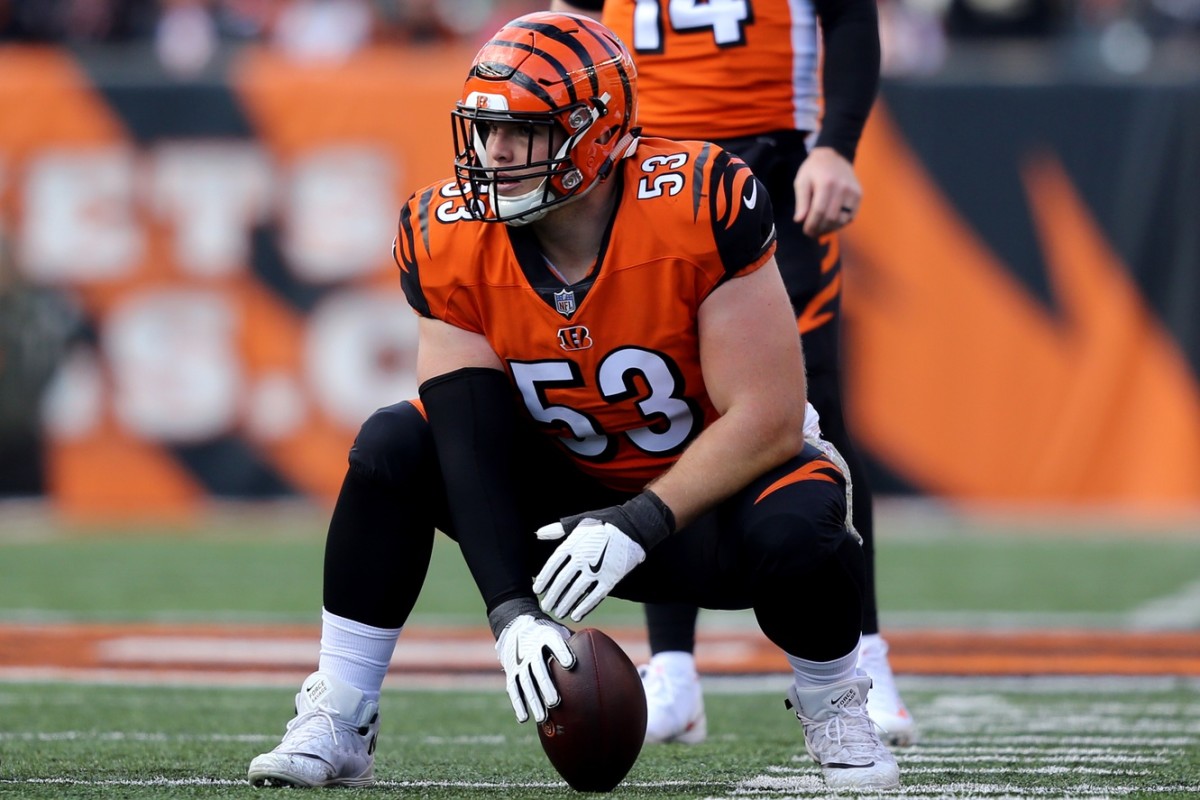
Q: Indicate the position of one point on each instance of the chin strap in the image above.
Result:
(629, 142)
(626, 146)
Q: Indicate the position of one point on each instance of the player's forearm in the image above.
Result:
(753, 369)
(473, 419)
(732, 452)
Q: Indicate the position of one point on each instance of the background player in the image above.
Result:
(745, 74)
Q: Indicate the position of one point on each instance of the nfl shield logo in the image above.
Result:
(564, 302)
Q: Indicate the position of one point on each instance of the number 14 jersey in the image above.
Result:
(754, 59)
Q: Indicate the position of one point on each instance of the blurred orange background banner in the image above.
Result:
(973, 387)
(1021, 316)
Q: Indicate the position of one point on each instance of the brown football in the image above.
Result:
(595, 733)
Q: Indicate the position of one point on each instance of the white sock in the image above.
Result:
(813, 674)
(356, 653)
(678, 663)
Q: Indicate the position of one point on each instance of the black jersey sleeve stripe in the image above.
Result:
(423, 216)
(698, 179)
(746, 230)
(404, 252)
(403, 247)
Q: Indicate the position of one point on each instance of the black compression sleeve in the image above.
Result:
(473, 418)
(849, 72)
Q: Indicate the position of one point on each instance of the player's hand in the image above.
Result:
(600, 548)
(828, 193)
(522, 647)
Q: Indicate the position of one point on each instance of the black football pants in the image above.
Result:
(784, 552)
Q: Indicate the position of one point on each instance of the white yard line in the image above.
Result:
(1109, 764)
(1178, 611)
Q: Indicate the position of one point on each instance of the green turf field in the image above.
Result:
(931, 570)
(986, 738)
(983, 737)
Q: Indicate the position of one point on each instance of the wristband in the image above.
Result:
(506, 612)
(650, 520)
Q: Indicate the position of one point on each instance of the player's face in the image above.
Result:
(515, 145)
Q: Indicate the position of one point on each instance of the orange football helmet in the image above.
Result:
(562, 72)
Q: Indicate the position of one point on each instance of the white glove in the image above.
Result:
(521, 648)
(585, 567)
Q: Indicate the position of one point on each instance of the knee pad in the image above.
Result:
(393, 445)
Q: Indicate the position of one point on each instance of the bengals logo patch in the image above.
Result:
(575, 337)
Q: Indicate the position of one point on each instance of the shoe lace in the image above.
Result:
(308, 726)
(849, 729)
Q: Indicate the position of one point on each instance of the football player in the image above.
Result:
(609, 373)
(745, 75)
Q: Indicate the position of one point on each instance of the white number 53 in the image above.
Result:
(654, 185)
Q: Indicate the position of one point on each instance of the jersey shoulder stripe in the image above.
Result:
(722, 196)
(435, 232)
(413, 226)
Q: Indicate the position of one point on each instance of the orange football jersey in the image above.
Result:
(609, 366)
(755, 58)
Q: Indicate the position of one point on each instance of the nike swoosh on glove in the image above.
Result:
(602, 548)
(521, 648)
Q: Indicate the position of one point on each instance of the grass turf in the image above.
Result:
(1043, 738)
(982, 738)
(233, 573)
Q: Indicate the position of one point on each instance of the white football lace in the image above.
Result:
(850, 729)
(303, 722)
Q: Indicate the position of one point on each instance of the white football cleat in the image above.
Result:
(330, 741)
(840, 736)
(896, 726)
(674, 703)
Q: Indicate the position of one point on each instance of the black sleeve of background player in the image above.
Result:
(849, 72)
(590, 5)
(473, 417)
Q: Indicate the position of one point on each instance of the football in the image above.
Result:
(595, 733)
